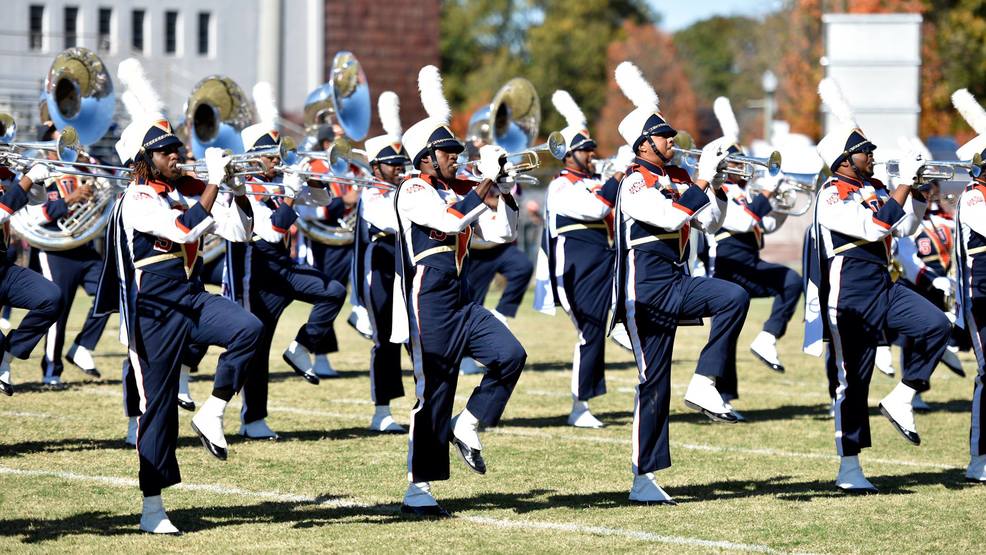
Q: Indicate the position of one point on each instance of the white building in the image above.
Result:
(178, 41)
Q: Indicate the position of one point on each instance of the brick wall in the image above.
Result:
(392, 40)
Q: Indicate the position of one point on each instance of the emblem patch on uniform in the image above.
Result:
(437, 235)
(163, 245)
(924, 246)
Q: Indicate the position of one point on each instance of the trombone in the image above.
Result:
(528, 159)
(67, 149)
(746, 165)
(942, 170)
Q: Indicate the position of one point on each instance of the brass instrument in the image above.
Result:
(215, 113)
(344, 99)
(528, 159)
(943, 170)
(511, 120)
(795, 192)
(78, 92)
(745, 166)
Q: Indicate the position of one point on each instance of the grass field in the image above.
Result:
(68, 484)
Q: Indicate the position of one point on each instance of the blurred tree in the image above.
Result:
(654, 52)
(798, 70)
(960, 38)
(554, 43)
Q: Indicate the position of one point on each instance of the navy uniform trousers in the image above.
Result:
(171, 315)
(658, 295)
(335, 261)
(500, 259)
(445, 326)
(760, 279)
(68, 270)
(583, 291)
(378, 294)
(976, 323)
(23, 288)
(273, 286)
(863, 306)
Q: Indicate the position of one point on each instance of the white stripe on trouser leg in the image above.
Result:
(52, 335)
(567, 307)
(417, 363)
(368, 303)
(835, 282)
(976, 427)
(638, 353)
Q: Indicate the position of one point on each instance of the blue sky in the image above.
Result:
(677, 14)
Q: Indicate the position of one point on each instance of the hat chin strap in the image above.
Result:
(657, 151)
(582, 167)
(434, 162)
(859, 173)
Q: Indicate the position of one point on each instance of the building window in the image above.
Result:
(71, 26)
(171, 33)
(36, 36)
(203, 34)
(137, 30)
(105, 21)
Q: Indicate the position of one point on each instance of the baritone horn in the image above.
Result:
(528, 159)
(794, 193)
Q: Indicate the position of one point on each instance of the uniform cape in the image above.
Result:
(116, 290)
(814, 270)
(358, 272)
(545, 285)
(963, 297)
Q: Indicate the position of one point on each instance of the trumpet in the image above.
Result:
(528, 159)
(943, 170)
(747, 165)
(247, 163)
(365, 182)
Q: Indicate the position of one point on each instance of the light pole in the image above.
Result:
(769, 83)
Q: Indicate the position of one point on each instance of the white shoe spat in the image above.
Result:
(154, 519)
(645, 489)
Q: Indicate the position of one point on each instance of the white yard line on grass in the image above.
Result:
(527, 525)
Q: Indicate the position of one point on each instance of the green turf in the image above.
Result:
(329, 485)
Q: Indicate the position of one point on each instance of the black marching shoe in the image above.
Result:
(186, 405)
(727, 417)
(472, 457)
(310, 377)
(6, 388)
(213, 449)
(428, 511)
(909, 435)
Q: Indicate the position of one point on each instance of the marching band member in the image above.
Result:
(162, 217)
(734, 255)
(580, 223)
(68, 269)
(970, 224)
(387, 159)
(436, 216)
(335, 261)
(266, 279)
(21, 287)
(657, 204)
(856, 218)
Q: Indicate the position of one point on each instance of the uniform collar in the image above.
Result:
(652, 168)
(576, 173)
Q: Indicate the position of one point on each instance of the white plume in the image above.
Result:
(635, 87)
(914, 145)
(432, 96)
(132, 76)
(727, 119)
(389, 110)
(567, 107)
(970, 109)
(835, 101)
(263, 98)
(132, 104)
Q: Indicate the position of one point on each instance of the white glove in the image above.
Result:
(907, 169)
(491, 160)
(216, 162)
(624, 157)
(292, 183)
(712, 156)
(943, 284)
(38, 173)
